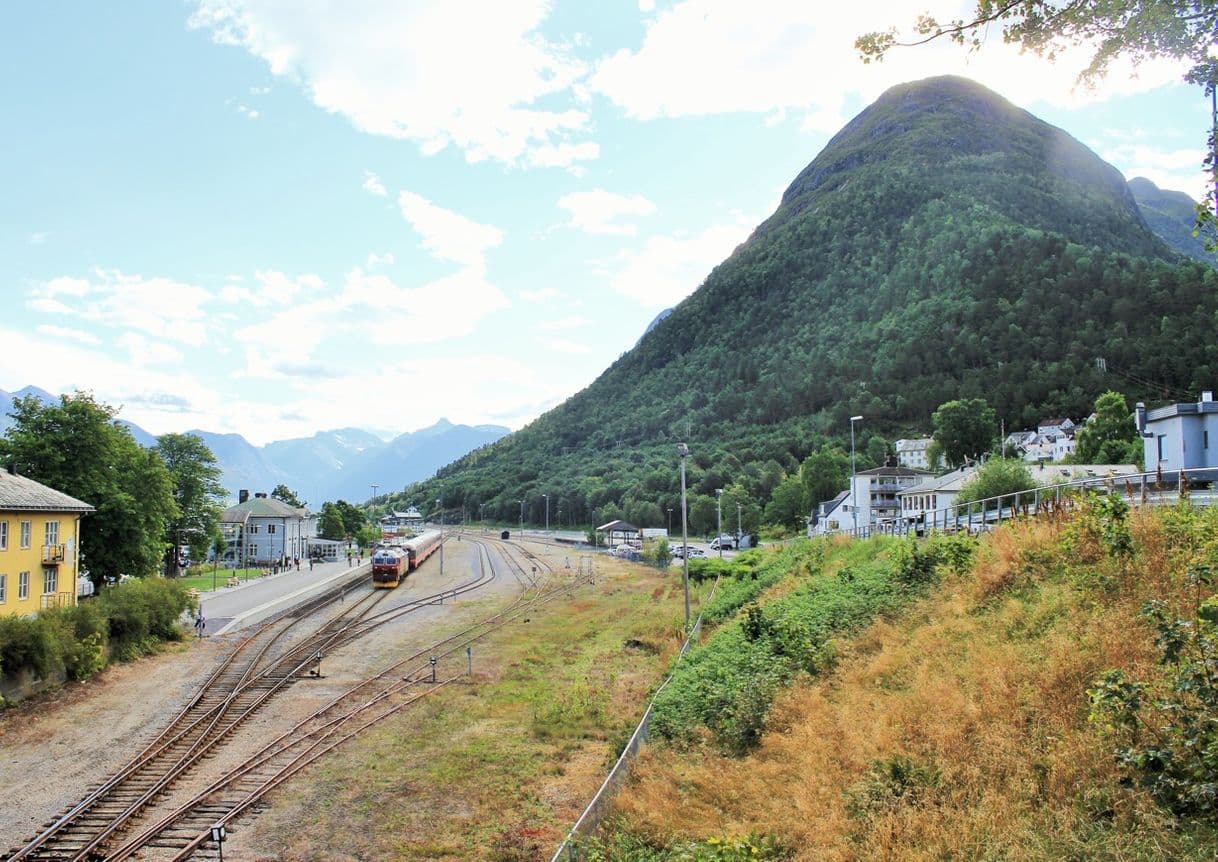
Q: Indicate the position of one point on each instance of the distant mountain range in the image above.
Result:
(330, 465)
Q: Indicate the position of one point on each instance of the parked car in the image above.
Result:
(725, 542)
(678, 551)
(696, 552)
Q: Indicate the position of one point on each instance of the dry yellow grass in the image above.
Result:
(984, 682)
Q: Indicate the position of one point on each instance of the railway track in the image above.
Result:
(140, 805)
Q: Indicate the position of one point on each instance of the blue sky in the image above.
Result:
(280, 216)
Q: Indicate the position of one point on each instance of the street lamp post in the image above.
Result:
(683, 451)
(521, 515)
(440, 509)
(670, 520)
(739, 532)
(482, 517)
(854, 476)
(375, 485)
(546, 497)
(719, 520)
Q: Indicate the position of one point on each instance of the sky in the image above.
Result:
(275, 217)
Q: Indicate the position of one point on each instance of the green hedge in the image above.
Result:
(130, 619)
(728, 684)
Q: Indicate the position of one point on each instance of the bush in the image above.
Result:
(29, 643)
(995, 477)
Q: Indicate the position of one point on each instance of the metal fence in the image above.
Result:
(595, 812)
(1138, 488)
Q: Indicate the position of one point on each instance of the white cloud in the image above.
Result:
(38, 237)
(374, 186)
(423, 71)
(543, 294)
(598, 211)
(146, 352)
(720, 56)
(154, 305)
(448, 235)
(572, 322)
(376, 260)
(1177, 169)
(564, 345)
(246, 111)
(273, 289)
(666, 269)
(71, 335)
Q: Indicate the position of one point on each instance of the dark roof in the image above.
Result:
(261, 507)
(17, 493)
(894, 471)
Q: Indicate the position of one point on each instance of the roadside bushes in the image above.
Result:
(728, 685)
(748, 575)
(128, 620)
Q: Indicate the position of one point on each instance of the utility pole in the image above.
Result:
(739, 532)
(521, 515)
(683, 451)
(854, 476)
(440, 509)
(719, 520)
(375, 485)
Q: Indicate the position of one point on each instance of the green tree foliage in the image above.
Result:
(196, 491)
(933, 245)
(824, 474)
(996, 477)
(788, 506)
(285, 494)
(367, 536)
(1109, 438)
(964, 429)
(330, 522)
(1133, 29)
(77, 447)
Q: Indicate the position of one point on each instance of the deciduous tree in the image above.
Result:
(1109, 438)
(77, 447)
(964, 429)
(286, 495)
(196, 490)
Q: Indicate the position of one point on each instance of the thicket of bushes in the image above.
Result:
(124, 622)
(728, 684)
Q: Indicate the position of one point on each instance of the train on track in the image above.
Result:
(392, 564)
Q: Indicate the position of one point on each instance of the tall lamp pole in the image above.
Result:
(375, 485)
(670, 520)
(739, 532)
(440, 509)
(683, 451)
(719, 520)
(854, 476)
(521, 515)
(482, 517)
(546, 497)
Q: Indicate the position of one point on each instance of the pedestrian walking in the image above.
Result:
(298, 564)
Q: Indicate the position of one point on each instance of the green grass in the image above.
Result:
(207, 581)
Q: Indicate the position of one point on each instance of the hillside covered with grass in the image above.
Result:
(1049, 693)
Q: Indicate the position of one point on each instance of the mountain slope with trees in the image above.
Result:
(944, 245)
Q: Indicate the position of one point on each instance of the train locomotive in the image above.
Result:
(391, 565)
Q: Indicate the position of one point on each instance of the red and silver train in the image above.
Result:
(391, 565)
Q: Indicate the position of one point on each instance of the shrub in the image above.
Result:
(994, 478)
(29, 643)
(142, 612)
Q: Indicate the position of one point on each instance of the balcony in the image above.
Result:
(52, 555)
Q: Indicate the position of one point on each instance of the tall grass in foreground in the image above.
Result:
(963, 729)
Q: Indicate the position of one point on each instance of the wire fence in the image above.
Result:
(596, 810)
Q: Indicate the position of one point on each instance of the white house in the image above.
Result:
(1179, 436)
(914, 452)
(398, 523)
(933, 494)
(1053, 427)
(828, 516)
(261, 529)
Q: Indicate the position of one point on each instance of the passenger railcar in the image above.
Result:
(421, 547)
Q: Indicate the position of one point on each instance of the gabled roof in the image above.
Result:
(21, 494)
(830, 505)
(617, 527)
(261, 507)
(934, 484)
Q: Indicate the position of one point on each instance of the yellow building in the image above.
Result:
(39, 545)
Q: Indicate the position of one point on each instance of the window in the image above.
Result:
(252, 551)
(25, 534)
(1162, 439)
(3, 589)
(270, 528)
(50, 580)
(3, 535)
(52, 533)
(23, 586)
(1205, 439)
(254, 529)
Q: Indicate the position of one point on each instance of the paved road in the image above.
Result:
(233, 607)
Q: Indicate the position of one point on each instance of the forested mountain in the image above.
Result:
(945, 244)
(1171, 215)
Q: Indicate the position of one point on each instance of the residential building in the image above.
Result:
(914, 452)
(933, 494)
(261, 530)
(1179, 436)
(1052, 427)
(39, 545)
(828, 518)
